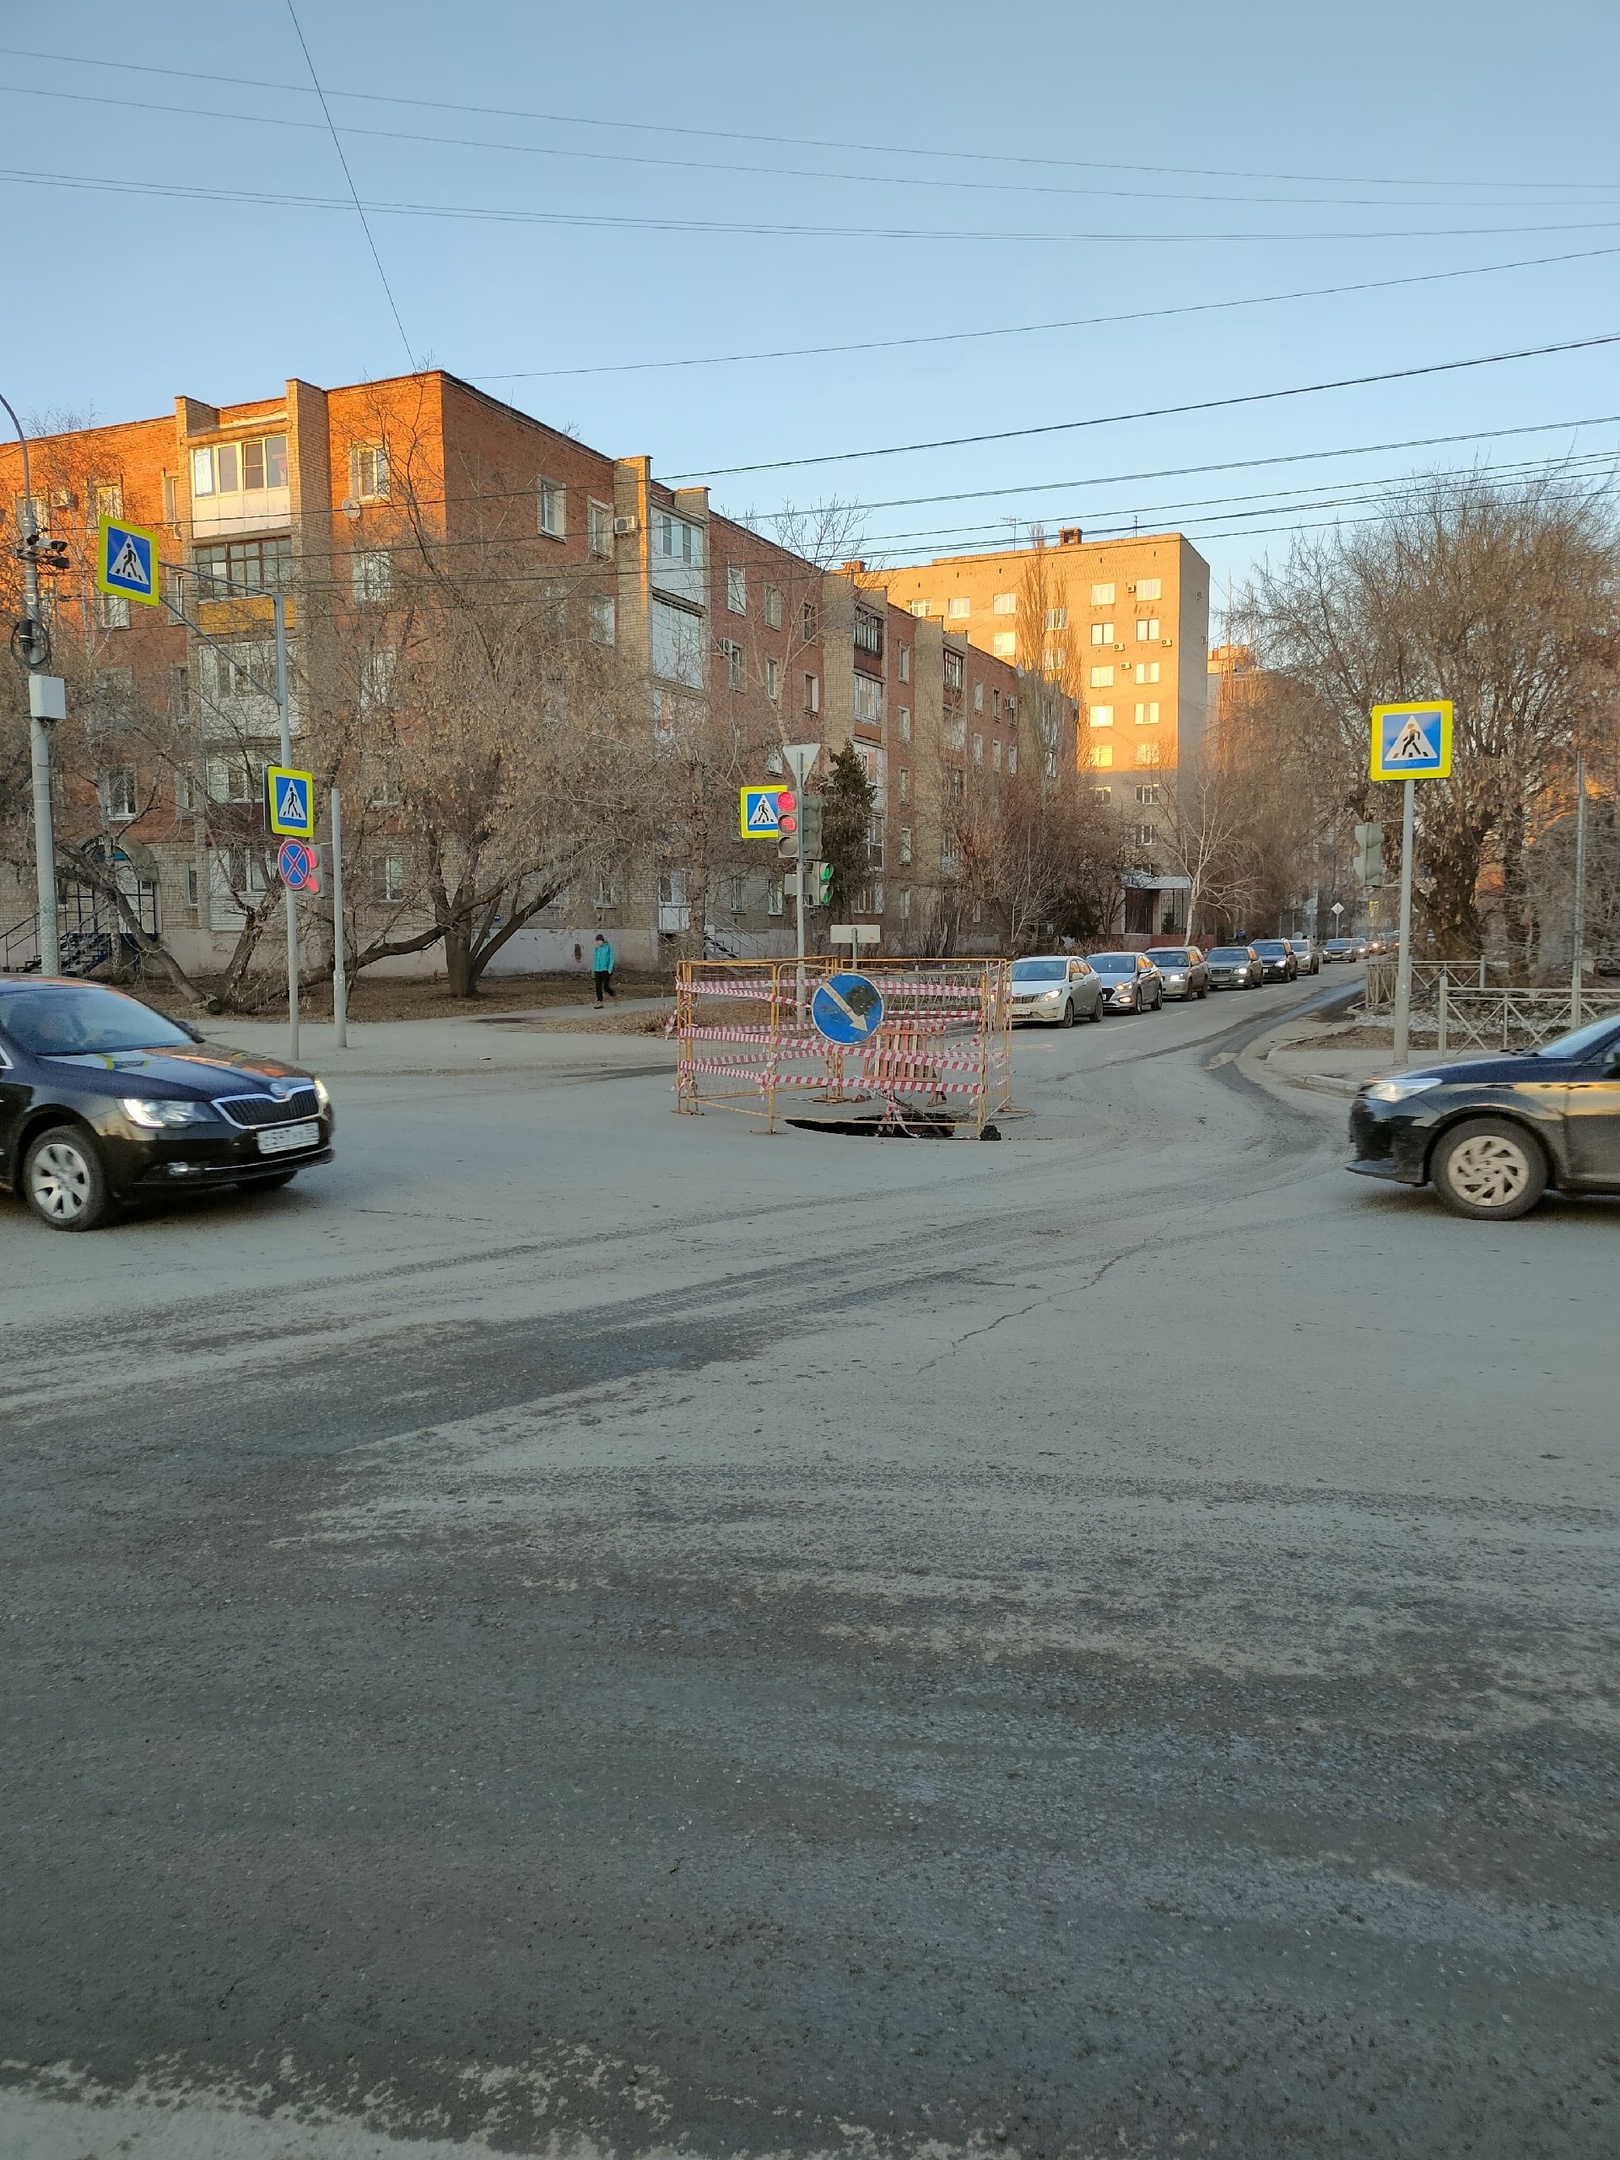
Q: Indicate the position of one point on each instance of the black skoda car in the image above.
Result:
(103, 1100)
(1493, 1136)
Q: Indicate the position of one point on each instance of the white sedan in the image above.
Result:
(1056, 990)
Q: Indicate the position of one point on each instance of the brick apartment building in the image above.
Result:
(313, 492)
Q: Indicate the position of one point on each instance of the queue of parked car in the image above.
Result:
(1062, 989)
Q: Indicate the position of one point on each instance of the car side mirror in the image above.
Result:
(1611, 1062)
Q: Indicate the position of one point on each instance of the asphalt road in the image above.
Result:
(577, 1630)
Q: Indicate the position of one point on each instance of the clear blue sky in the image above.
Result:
(951, 169)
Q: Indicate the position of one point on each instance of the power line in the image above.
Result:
(365, 224)
(796, 142)
(1079, 322)
(1152, 412)
(733, 228)
(780, 172)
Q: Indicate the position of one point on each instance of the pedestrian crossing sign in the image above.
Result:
(126, 562)
(1412, 742)
(758, 815)
(289, 802)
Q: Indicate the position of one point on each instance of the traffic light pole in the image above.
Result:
(279, 602)
(1403, 959)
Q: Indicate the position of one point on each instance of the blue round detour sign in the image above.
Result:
(847, 1009)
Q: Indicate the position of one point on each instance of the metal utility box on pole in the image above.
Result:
(1410, 742)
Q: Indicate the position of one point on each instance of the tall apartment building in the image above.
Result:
(1137, 615)
(318, 493)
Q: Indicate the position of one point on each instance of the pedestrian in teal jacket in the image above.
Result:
(602, 967)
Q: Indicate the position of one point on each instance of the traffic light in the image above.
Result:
(821, 884)
(811, 816)
(1370, 854)
(787, 811)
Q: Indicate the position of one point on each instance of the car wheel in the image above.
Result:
(1068, 1016)
(1096, 1012)
(63, 1181)
(1490, 1169)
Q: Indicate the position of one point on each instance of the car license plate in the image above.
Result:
(282, 1139)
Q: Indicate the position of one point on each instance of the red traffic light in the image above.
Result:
(789, 824)
(786, 803)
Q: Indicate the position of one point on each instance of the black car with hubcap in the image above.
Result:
(104, 1101)
(1493, 1135)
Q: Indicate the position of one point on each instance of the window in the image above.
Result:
(384, 791)
(773, 679)
(1147, 753)
(1102, 633)
(995, 754)
(905, 723)
(118, 793)
(604, 890)
(812, 693)
(978, 697)
(869, 634)
(1102, 595)
(191, 885)
(810, 620)
(736, 673)
(1102, 755)
(1147, 715)
(1102, 678)
(955, 670)
(553, 509)
(677, 645)
(1012, 708)
(1147, 670)
(1102, 794)
(180, 696)
(737, 589)
(231, 568)
(905, 843)
(603, 615)
(1148, 794)
(1049, 764)
(905, 905)
(996, 703)
(905, 783)
(773, 896)
(112, 611)
(1147, 630)
(232, 780)
(676, 541)
(1057, 618)
(372, 576)
(598, 527)
(1147, 835)
(171, 498)
(228, 468)
(109, 499)
(1012, 757)
(1148, 588)
(959, 609)
(978, 750)
(918, 607)
(42, 514)
(739, 896)
(773, 607)
(376, 676)
(388, 879)
(1102, 715)
(868, 707)
(1005, 603)
(1004, 644)
(114, 685)
(904, 662)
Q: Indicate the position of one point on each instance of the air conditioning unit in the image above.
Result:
(623, 526)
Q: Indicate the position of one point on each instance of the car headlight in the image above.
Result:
(1399, 1085)
(321, 1096)
(156, 1114)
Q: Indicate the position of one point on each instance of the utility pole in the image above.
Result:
(279, 603)
(340, 955)
(1578, 926)
(1403, 959)
(32, 645)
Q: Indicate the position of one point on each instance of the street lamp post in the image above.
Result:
(32, 645)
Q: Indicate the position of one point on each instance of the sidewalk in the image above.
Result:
(1316, 1056)
(556, 1043)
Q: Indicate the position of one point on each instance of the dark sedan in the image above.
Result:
(1492, 1136)
(1130, 982)
(104, 1101)
(1235, 967)
(1277, 961)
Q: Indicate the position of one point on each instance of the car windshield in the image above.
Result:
(1300, 944)
(1229, 955)
(1040, 970)
(68, 1020)
(1169, 959)
(1584, 1041)
(1275, 948)
(1114, 963)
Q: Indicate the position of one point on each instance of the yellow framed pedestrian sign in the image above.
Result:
(1412, 741)
(289, 802)
(127, 562)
